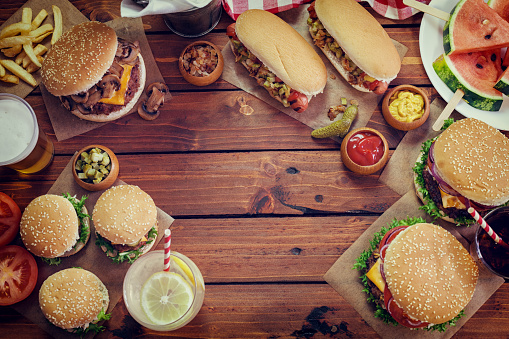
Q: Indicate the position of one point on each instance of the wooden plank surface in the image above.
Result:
(261, 207)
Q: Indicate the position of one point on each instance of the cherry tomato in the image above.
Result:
(10, 216)
(18, 274)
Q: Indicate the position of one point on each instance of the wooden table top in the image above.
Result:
(262, 208)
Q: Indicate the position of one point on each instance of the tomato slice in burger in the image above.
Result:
(18, 274)
(398, 313)
(388, 237)
(10, 216)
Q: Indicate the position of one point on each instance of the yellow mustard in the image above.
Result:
(406, 106)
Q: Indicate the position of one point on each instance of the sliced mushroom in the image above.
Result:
(109, 84)
(127, 51)
(155, 100)
(93, 97)
(116, 69)
(80, 98)
(83, 110)
(161, 86)
(68, 103)
(145, 114)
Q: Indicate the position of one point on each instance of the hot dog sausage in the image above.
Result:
(298, 101)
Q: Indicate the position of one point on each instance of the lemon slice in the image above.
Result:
(165, 297)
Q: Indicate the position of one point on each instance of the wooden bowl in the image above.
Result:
(353, 166)
(106, 182)
(401, 125)
(206, 80)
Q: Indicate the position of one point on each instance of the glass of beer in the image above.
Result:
(25, 146)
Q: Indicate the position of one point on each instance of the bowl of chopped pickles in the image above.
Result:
(95, 167)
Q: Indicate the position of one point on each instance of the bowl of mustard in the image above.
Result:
(405, 107)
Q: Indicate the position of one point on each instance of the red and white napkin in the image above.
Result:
(393, 9)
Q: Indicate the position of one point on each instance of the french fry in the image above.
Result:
(40, 38)
(38, 50)
(2, 71)
(15, 29)
(33, 67)
(41, 30)
(57, 16)
(29, 50)
(11, 52)
(20, 57)
(19, 71)
(26, 16)
(14, 40)
(39, 19)
(10, 78)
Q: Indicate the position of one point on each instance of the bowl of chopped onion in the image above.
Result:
(201, 63)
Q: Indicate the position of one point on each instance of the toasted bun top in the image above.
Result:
(49, 226)
(79, 59)
(361, 37)
(429, 273)
(123, 214)
(283, 50)
(72, 298)
(473, 158)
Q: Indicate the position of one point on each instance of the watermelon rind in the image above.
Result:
(473, 96)
(503, 83)
(447, 33)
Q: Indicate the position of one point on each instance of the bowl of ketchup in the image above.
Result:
(493, 256)
(364, 150)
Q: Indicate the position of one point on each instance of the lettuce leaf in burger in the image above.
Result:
(413, 271)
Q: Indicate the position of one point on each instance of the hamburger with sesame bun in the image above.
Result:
(467, 165)
(75, 300)
(418, 275)
(53, 226)
(97, 75)
(125, 220)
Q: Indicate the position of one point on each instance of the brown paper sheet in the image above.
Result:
(346, 281)
(316, 114)
(398, 173)
(91, 257)
(70, 16)
(67, 125)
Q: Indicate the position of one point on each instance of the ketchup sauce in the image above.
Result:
(493, 255)
(365, 148)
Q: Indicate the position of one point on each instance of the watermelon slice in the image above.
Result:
(501, 7)
(472, 27)
(503, 82)
(475, 73)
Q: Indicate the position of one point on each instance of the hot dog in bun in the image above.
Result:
(418, 275)
(278, 57)
(467, 165)
(355, 43)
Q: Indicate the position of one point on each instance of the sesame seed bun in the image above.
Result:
(124, 214)
(472, 157)
(429, 273)
(50, 226)
(283, 50)
(361, 36)
(79, 59)
(72, 298)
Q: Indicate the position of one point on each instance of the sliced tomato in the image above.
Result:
(388, 237)
(398, 313)
(18, 274)
(10, 216)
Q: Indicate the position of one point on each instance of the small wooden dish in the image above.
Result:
(401, 125)
(353, 166)
(206, 80)
(106, 182)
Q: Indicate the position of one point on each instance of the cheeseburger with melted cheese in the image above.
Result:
(97, 75)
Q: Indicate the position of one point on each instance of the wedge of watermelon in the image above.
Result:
(503, 82)
(472, 27)
(475, 73)
(501, 7)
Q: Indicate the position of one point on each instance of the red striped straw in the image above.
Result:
(487, 227)
(167, 243)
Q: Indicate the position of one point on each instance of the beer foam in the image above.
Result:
(16, 128)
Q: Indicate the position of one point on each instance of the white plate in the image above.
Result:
(431, 47)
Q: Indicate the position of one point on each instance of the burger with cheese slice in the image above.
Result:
(75, 300)
(418, 275)
(53, 227)
(467, 165)
(125, 220)
(97, 75)
(355, 43)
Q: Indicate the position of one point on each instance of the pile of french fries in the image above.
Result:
(21, 43)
